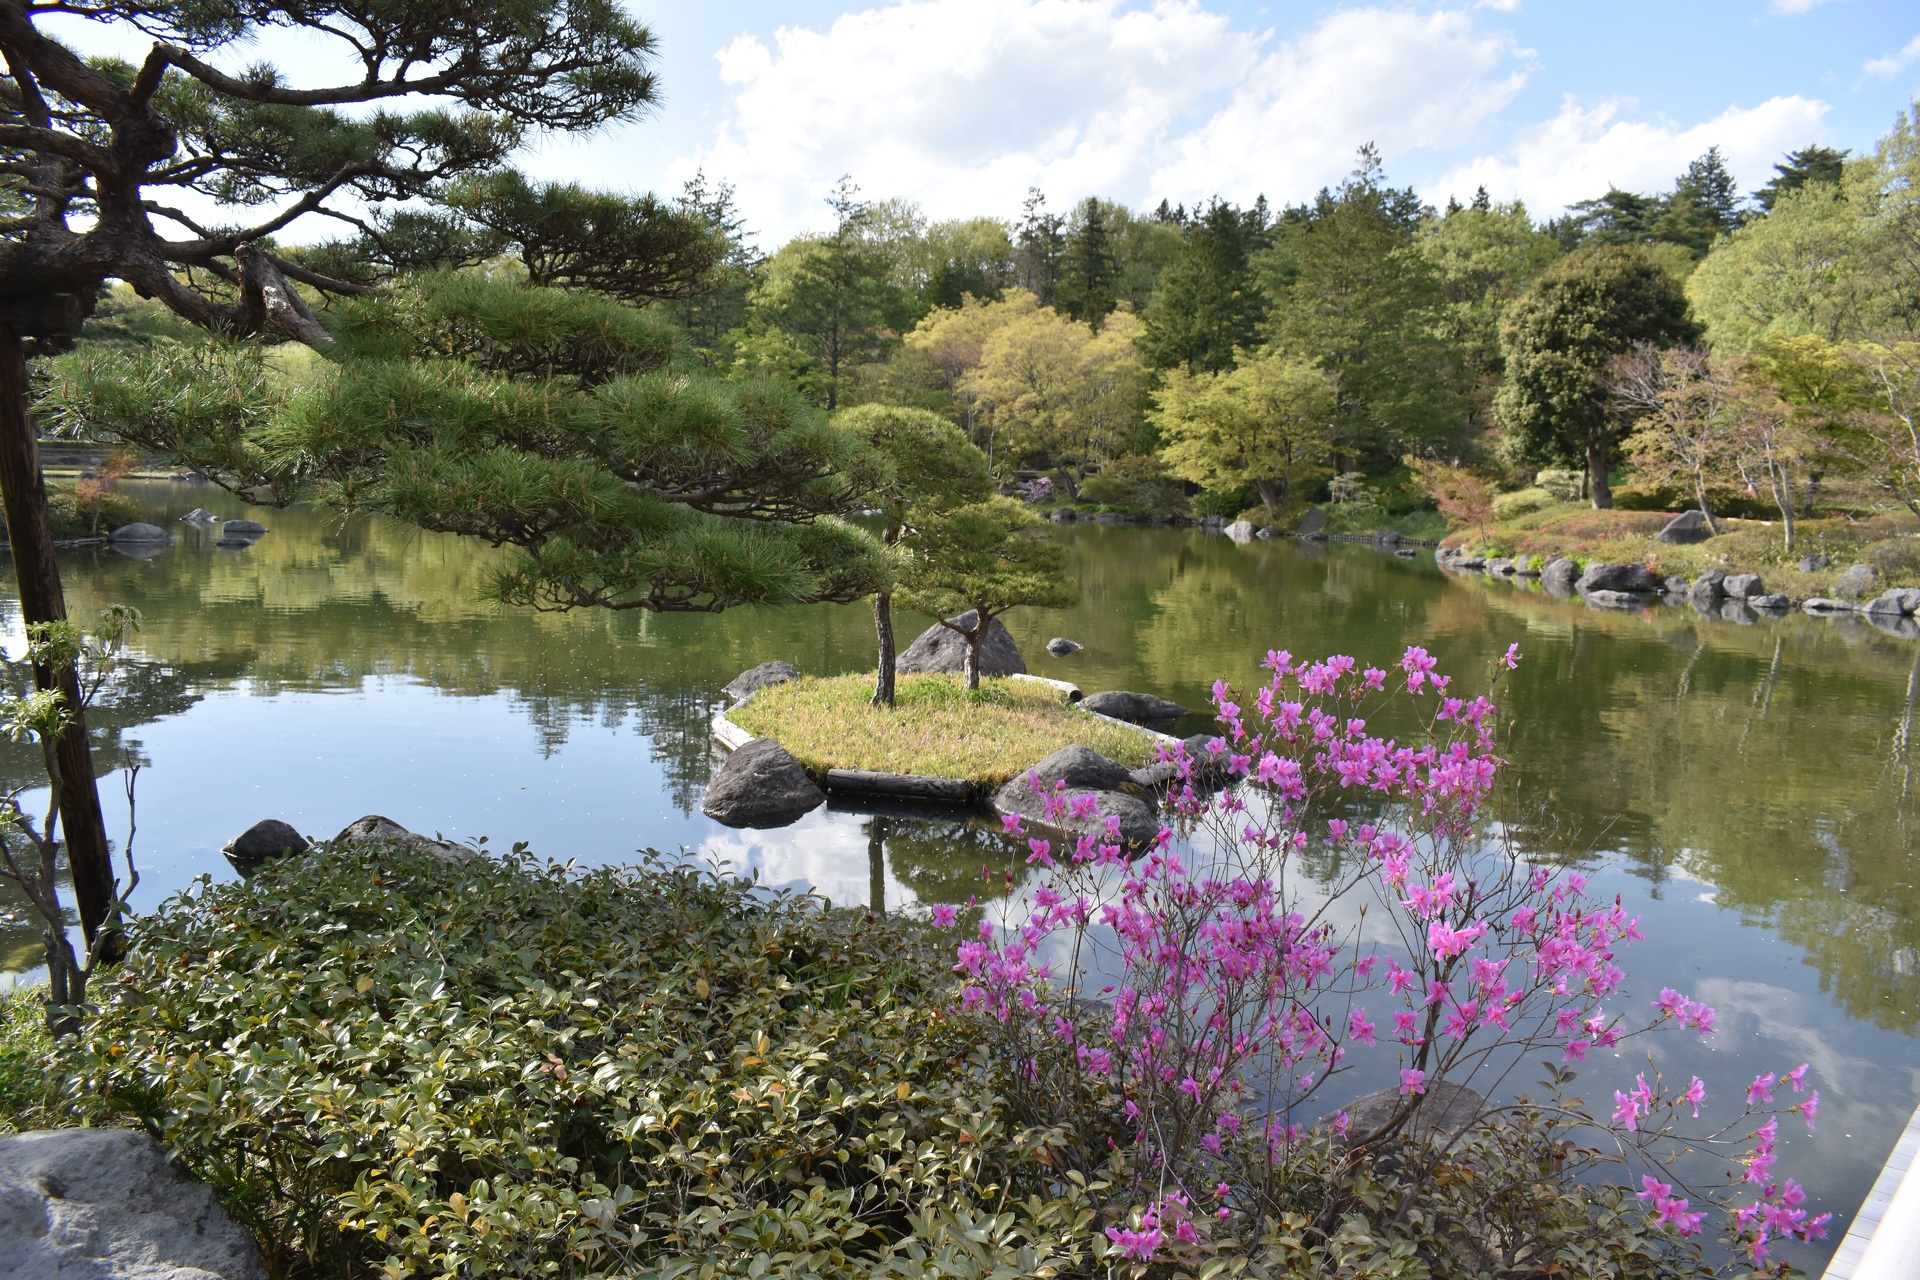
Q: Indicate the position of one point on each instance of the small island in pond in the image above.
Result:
(935, 728)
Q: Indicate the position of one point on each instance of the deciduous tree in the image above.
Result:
(1267, 422)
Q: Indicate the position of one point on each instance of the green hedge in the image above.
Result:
(390, 1064)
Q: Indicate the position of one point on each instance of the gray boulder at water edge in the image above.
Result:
(1687, 527)
(760, 785)
(1770, 603)
(1900, 602)
(1312, 524)
(1559, 576)
(1708, 586)
(942, 649)
(1826, 604)
(1140, 708)
(264, 840)
(242, 529)
(1076, 771)
(1446, 1111)
(140, 533)
(1857, 583)
(376, 830)
(754, 679)
(1618, 577)
(105, 1204)
(1240, 531)
(1060, 646)
(1742, 585)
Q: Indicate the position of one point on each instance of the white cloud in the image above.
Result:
(964, 104)
(1894, 63)
(1402, 80)
(1585, 149)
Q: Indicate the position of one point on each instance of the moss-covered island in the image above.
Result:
(935, 728)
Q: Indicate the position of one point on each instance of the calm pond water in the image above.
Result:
(1749, 790)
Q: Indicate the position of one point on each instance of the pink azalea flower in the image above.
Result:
(944, 915)
(1412, 1081)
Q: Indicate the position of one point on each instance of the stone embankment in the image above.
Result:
(1730, 597)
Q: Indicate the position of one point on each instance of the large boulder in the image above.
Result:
(1901, 602)
(1312, 524)
(942, 649)
(1826, 604)
(1709, 585)
(1857, 583)
(1077, 768)
(1060, 646)
(1770, 603)
(1446, 1110)
(754, 679)
(1240, 531)
(242, 529)
(1139, 824)
(106, 1204)
(1687, 527)
(1140, 708)
(374, 830)
(265, 840)
(1741, 585)
(138, 532)
(760, 785)
(1618, 577)
(1559, 576)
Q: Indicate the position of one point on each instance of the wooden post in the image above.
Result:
(23, 493)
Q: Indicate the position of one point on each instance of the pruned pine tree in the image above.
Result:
(932, 466)
(984, 558)
(175, 174)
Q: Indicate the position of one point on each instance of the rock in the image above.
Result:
(1266, 533)
(105, 1204)
(1500, 568)
(1738, 611)
(1813, 563)
(1618, 577)
(1771, 603)
(754, 679)
(269, 838)
(1140, 708)
(1857, 583)
(1687, 527)
(1741, 585)
(1060, 646)
(760, 785)
(1386, 538)
(242, 529)
(1822, 604)
(1677, 586)
(1707, 586)
(1079, 768)
(1312, 522)
(1063, 515)
(1615, 599)
(1468, 564)
(1240, 531)
(199, 515)
(376, 830)
(1446, 1109)
(942, 649)
(1899, 603)
(1559, 576)
(138, 532)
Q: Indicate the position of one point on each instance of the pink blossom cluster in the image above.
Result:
(1237, 994)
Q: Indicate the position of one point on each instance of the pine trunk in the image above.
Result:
(970, 668)
(883, 629)
(30, 532)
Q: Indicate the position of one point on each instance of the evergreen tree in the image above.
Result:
(1801, 168)
(100, 155)
(1038, 248)
(1090, 270)
(832, 294)
(1208, 304)
(1558, 339)
(721, 306)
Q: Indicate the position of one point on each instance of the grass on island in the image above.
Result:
(936, 728)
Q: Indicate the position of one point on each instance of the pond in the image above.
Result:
(1748, 790)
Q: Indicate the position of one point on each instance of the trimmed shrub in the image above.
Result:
(1511, 506)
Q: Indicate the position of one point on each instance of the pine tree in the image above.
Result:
(1039, 247)
(1208, 304)
(1799, 169)
(1090, 270)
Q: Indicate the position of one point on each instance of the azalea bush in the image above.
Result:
(1344, 909)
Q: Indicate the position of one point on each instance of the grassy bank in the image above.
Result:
(935, 728)
(1891, 544)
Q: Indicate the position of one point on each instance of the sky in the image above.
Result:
(962, 106)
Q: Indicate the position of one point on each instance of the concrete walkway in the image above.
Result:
(1884, 1241)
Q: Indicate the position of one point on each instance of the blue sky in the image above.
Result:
(962, 105)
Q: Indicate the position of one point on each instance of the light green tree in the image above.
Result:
(969, 565)
(1267, 422)
(1805, 268)
(932, 467)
